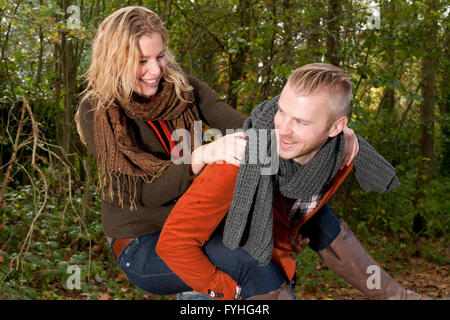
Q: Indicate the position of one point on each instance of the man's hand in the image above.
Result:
(351, 147)
(299, 243)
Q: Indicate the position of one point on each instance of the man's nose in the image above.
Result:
(284, 128)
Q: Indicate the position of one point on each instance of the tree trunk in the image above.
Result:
(57, 88)
(313, 41)
(334, 10)
(69, 66)
(237, 61)
(288, 22)
(444, 107)
(267, 85)
(388, 100)
(165, 11)
(426, 155)
(40, 62)
(69, 83)
(4, 52)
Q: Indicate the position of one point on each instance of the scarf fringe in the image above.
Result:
(121, 163)
(123, 183)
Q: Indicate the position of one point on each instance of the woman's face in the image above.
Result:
(151, 64)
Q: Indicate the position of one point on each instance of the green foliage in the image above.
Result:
(60, 239)
(242, 51)
(436, 255)
(311, 276)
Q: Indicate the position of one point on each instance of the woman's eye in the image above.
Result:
(161, 57)
(142, 61)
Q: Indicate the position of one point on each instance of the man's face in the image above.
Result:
(303, 124)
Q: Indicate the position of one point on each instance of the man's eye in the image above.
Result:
(161, 57)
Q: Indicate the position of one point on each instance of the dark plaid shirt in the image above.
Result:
(298, 209)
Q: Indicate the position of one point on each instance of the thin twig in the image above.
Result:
(28, 238)
(7, 177)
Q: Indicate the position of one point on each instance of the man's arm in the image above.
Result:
(191, 223)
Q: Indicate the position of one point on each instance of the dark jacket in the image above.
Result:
(156, 199)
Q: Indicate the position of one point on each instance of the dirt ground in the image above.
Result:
(417, 274)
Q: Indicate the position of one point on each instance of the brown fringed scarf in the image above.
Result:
(121, 163)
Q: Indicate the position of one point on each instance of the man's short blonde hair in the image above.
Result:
(312, 78)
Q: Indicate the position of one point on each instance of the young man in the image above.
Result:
(266, 215)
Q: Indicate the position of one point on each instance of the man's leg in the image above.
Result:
(148, 271)
(343, 253)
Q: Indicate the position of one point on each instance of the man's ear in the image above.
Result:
(337, 126)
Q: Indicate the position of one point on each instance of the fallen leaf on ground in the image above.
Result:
(104, 297)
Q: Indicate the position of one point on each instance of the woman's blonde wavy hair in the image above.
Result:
(115, 58)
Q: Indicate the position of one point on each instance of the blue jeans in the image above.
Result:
(149, 272)
(321, 229)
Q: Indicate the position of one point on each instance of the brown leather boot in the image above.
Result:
(348, 258)
(284, 293)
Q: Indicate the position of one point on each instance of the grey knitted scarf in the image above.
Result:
(249, 221)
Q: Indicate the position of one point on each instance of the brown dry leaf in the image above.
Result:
(104, 297)
(121, 276)
(441, 285)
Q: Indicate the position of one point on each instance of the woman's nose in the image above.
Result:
(153, 69)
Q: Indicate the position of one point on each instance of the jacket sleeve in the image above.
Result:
(213, 110)
(191, 223)
(372, 171)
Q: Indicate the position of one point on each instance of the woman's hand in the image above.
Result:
(229, 148)
(299, 243)
(351, 147)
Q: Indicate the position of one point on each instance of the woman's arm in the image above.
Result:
(219, 115)
(191, 223)
(213, 110)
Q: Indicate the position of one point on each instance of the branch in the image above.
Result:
(27, 240)
(7, 178)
